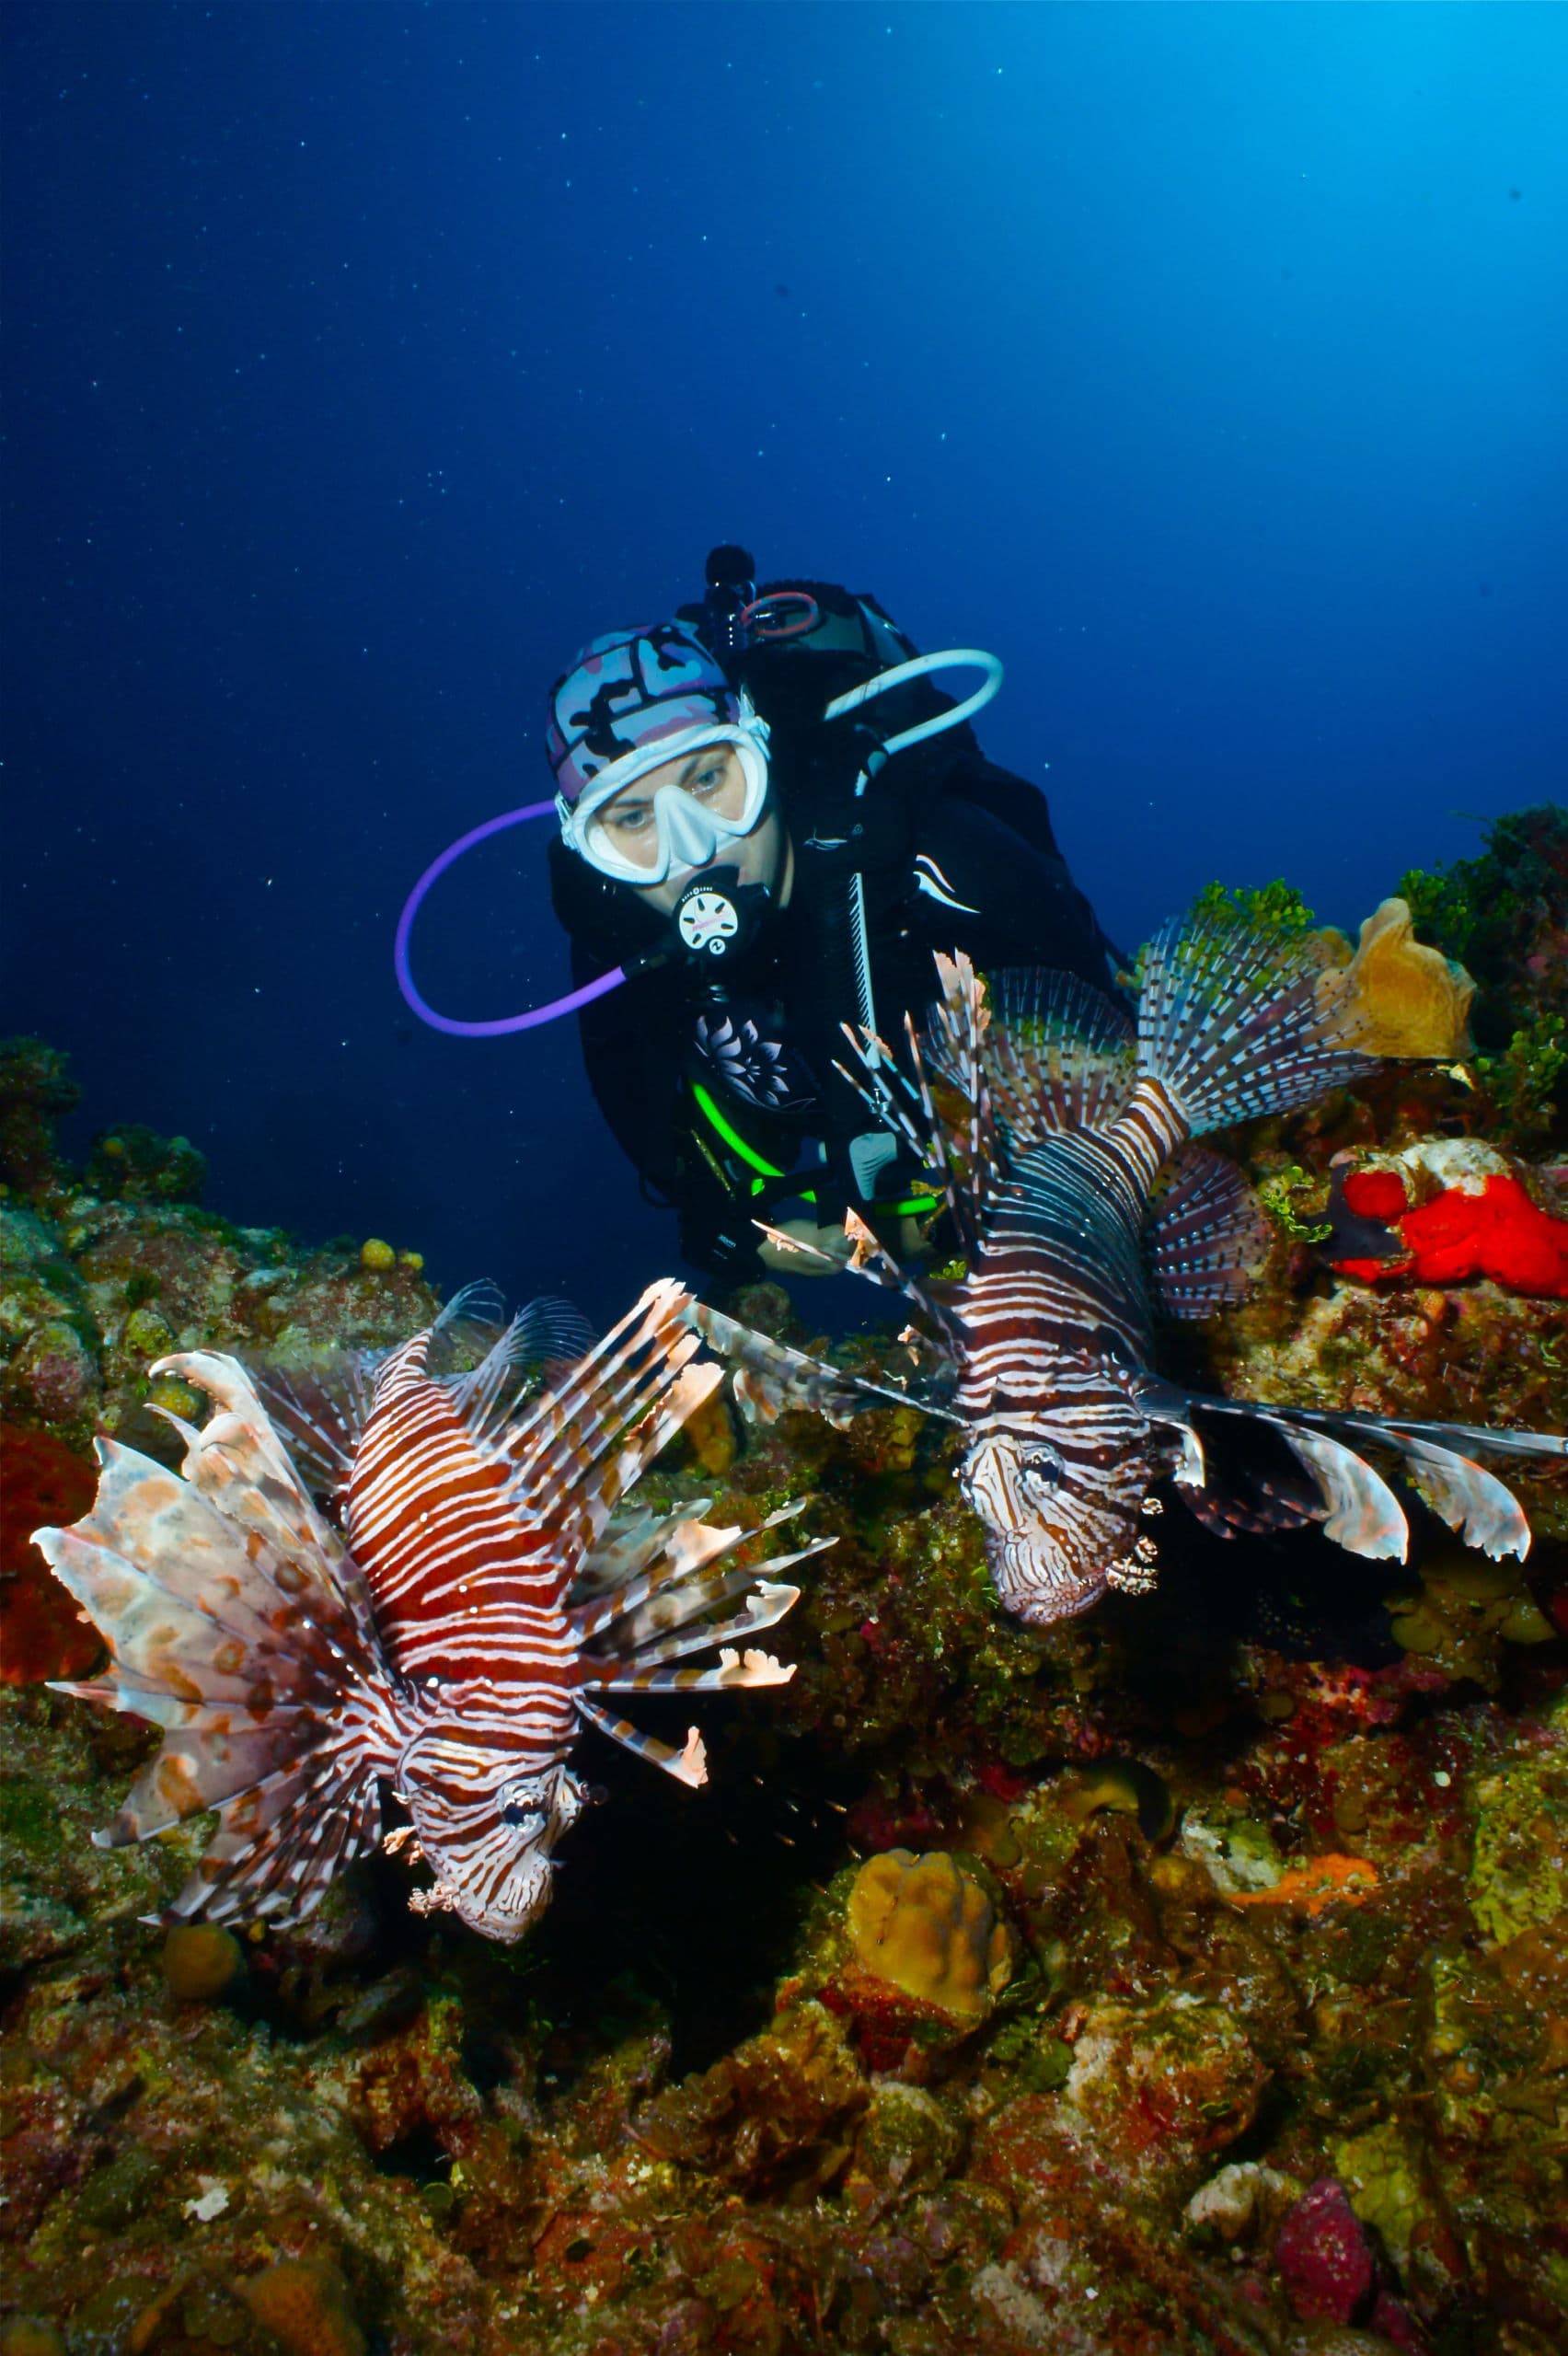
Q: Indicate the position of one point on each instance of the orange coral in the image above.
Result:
(1320, 1882)
(924, 1927)
(41, 1631)
(304, 2302)
(199, 1961)
(1402, 999)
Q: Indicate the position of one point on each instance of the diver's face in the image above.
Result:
(715, 780)
(1050, 1537)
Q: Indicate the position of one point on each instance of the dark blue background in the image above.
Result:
(1209, 364)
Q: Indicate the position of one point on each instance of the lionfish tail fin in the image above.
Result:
(1059, 1054)
(1231, 1023)
(258, 1663)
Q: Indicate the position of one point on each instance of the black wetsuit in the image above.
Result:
(953, 853)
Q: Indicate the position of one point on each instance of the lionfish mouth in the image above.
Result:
(1041, 1583)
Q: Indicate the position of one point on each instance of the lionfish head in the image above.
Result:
(1056, 1534)
(486, 1821)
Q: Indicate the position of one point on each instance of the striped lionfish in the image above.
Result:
(1061, 1139)
(488, 1588)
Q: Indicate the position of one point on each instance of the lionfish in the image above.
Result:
(1062, 1142)
(488, 1588)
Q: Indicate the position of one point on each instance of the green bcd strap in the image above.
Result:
(909, 1208)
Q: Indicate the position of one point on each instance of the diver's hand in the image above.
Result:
(826, 1249)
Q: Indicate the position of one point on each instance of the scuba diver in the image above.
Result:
(718, 779)
(769, 818)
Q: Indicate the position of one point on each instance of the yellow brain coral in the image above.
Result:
(1402, 999)
(377, 1255)
(925, 1928)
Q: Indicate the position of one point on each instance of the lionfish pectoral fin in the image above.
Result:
(1165, 1405)
(751, 1668)
(686, 1633)
(227, 1632)
(1364, 1515)
(1469, 1498)
(869, 1257)
(769, 1377)
(1206, 1235)
(687, 1766)
(1472, 1501)
(1494, 1441)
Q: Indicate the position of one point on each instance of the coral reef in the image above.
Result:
(106, 1271)
(925, 1926)
(1190, 1977)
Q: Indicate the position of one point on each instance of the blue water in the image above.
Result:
(1207, 363)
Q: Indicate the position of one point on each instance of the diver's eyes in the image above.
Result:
(708, 781)
(632, 821)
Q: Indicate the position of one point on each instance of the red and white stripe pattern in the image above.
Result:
(471, 1526)
(442, 1651)
(1059, 1462)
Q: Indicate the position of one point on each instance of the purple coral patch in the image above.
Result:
(1324, 2257)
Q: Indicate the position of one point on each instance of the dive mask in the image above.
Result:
(683, 826)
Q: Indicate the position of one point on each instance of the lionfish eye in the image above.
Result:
(1042, 1469)
(521, 1808)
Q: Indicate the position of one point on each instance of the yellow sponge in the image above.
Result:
(924, 1927)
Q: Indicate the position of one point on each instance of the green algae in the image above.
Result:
(1382, 2172)
(1523, 1080)
(1519, 1874)
(1276, 1193)
(1277, 905)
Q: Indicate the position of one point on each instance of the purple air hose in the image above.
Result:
(534, 1014)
